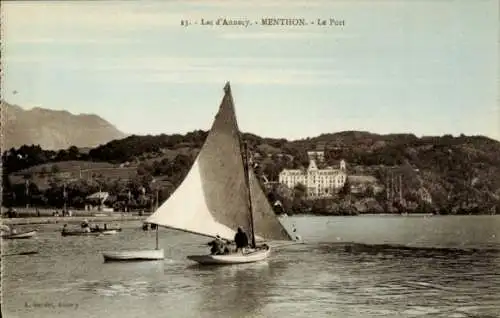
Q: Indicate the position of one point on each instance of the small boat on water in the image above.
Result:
(147, 227)
(22, 253)
(79, 233)
(246, 256)
(106, 229)
(109, 232)
(82, 232)
(134, 255)
(22, 235)
(87, 230)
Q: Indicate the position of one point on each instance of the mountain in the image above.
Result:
(54, 129)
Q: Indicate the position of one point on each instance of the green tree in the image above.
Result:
(55, 169)
(43, 172)
(346, 189)
(73, 153)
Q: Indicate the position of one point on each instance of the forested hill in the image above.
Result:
(458, 172)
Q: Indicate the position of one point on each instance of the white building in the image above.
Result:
(319, 182)
(318, 156)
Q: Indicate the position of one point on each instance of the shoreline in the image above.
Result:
(129, 218)
(71, 219)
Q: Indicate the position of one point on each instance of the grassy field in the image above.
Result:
(71, 219)
(45, 216)
(72, 171)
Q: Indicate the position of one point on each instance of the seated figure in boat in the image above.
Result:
(65, 228)
(297, 237)
(218, 246)
(240, 239)
(85, 224)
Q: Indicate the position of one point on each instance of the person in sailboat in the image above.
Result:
(218, 247)
(240, 239)
(84, 224)
(297, 237)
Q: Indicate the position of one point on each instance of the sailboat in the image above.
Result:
(136, 255)
(221, 193)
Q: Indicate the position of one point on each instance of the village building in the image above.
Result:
(97, 201)
(362, 183)
(318, 182)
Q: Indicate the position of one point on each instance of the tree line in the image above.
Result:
(459, 171)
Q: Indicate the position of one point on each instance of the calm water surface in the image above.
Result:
(348, 267)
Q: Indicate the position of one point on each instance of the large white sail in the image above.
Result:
(213, 198)
(187, 209)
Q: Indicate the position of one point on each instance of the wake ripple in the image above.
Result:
(397, 249)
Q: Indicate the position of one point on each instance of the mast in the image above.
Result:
(65, 197)
(156, 204)
(156, 237)
(400, 189)
(392, 189)
(247, 182)
(26, 185)
(244, 157)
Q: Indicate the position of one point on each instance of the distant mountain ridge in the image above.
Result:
(54, 129)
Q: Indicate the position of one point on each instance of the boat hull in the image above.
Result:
(80, 233)
(133, 255)
(259, 254)
(111, 232)
(25, 235)
(106, 230)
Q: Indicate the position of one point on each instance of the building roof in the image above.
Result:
(362, 179)
(99, 196)
(312, 165)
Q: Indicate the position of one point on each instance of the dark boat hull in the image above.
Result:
(23, 235)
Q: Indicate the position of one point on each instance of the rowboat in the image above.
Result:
(133, 255)
(79, 233)
(22, 235)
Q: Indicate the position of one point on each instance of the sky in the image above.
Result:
(422, 67)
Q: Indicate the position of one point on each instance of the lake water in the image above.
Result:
(367, 266)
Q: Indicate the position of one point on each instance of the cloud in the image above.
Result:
(270, 76)
(152, 62)
(98, 15)
(248, 70)
(71, 40)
